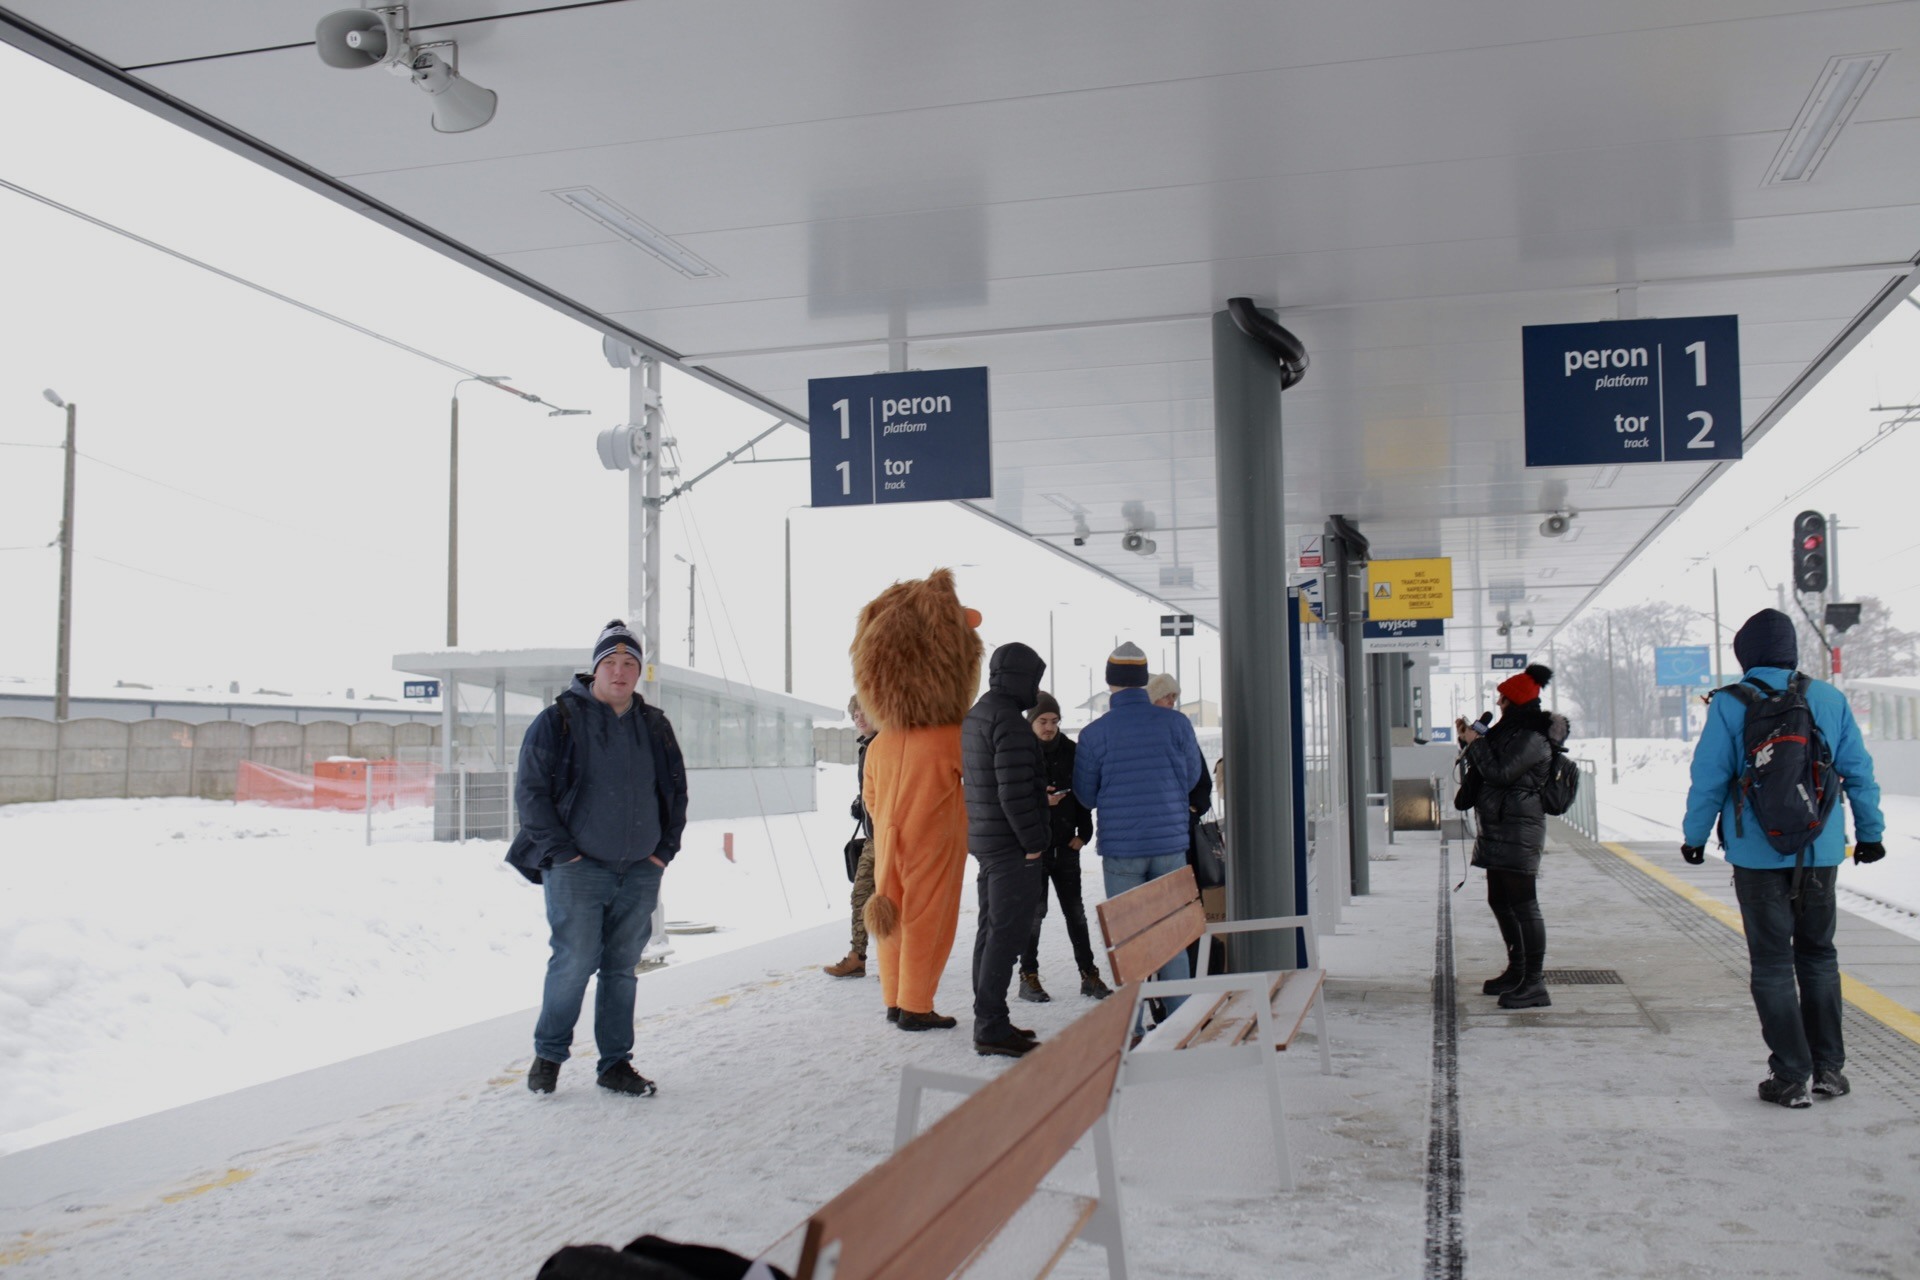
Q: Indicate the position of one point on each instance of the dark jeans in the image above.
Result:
(1516, 907)
(1788, 942)
(1008, 885)
(1062, 867)
(601, 920)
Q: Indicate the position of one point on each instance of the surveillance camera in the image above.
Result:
(1556, 524)
(1081, 532)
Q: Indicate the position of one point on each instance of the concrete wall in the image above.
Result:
(1896, 766)
(746, 793)
(99, 758)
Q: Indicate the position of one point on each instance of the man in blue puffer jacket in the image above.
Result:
(1135, 768)
(1786, 939)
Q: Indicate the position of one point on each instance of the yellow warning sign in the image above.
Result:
(1404, 589)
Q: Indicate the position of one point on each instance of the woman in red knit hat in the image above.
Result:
(1508, 765)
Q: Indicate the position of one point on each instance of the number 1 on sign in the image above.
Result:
(840, 406)
(1698, 350)
(846, 477)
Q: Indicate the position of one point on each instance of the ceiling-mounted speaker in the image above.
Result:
(354, 38)
(458, 103)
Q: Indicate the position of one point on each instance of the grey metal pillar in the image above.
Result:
(1348, 601)
(1382, 679)
(1258, 737)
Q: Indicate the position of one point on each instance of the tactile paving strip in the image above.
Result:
(1877, 1055)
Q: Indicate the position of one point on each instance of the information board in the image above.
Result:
(1400, 589)
(1410, 635)
(1509, 662)
(1620, 391)
(920, 436)
(421, 688)
(1683, 667)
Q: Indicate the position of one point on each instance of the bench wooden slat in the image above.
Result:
(1141, 956)
(1291, 1002)
(1234, 1019)
(1034, 1239)
(924, 1212)
(1126, 916)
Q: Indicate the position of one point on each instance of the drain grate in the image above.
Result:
(1581, 978)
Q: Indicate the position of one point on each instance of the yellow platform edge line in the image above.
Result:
(1881, 1008)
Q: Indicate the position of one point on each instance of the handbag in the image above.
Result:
(1469, 793)
(1210, 856)
(853, 849)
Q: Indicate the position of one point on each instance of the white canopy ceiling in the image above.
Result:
(1066, 192)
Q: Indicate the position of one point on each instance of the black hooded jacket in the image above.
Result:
(1512, 763)
(1001, 761)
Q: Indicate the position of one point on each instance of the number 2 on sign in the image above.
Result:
(1705, 420)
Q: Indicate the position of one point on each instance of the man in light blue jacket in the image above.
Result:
(1789, 935)
(1135, 767)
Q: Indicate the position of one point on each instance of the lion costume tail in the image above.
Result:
(883, 916)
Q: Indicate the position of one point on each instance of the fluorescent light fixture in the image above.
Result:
(1548, 572)
(1828, 108)
(1605, 477)
(637, 232)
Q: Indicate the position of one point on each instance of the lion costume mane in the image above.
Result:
(916, 668)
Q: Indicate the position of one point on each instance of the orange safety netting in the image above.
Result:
(337, 784)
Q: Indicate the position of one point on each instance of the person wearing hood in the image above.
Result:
(1794, 966)
(602, 797)
(1009, 828)
(1508, 764)
(1072, 828)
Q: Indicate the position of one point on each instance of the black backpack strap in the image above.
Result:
(566, 716)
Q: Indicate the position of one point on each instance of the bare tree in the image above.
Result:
(1582, 675)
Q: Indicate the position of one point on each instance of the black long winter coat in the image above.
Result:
(1512, 763)
(1000, 760)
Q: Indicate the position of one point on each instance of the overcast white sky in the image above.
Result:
(309, 543)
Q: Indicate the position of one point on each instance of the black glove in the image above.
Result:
(1694, 853)
(859, 810)
(1869, 851)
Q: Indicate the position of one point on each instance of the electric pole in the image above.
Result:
(63, 655)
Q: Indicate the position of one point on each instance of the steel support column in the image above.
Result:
(1253, 641)
(1348, 601)
(643, 518)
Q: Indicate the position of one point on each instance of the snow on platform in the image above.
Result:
(1615, 1134)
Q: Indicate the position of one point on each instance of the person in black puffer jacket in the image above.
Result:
(1507, 767)
(1008, 829)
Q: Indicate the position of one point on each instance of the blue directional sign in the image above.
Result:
(1619, 391)
(1509, 662)
(1440, 733)
(1683, 667)
(1403, 635)
(422, 688)
(900, 437)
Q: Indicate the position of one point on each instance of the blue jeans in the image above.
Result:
(601, 920)
(1122, 874)
(1789, 944)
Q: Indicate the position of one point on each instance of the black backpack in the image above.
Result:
(1786, 777)
(1562, 784)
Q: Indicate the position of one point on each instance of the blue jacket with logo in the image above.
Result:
(1135, 767)
(1718, 762)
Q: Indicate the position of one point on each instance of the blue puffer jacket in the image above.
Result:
(1717, 764)
(1134, 768)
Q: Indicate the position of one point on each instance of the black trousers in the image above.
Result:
(1062, 867)
(1008, 885)
(1516, 907)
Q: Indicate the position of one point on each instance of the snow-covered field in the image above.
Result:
(153, 952)
(1649, 801)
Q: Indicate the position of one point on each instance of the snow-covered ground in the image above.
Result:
(1649, 801)
(153, 952)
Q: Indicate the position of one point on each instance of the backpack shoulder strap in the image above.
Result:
(566, 716)
(1745, 693)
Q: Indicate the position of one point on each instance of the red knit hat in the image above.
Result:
(1519, 689)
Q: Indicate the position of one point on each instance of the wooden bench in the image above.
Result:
(1228, 1019)
(964, 1198)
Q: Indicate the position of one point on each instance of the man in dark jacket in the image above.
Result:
(1508, 766)
(1008, 831)
(602, 795)
(1072, 827)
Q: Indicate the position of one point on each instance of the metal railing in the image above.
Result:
(1584, 816)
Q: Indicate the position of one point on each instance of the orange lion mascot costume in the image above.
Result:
(916, 667)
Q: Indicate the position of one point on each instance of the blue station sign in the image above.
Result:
(1509, 662)
(1403, 635)
(1683, 667)
(421, 688)
(1620, 391)
(922, 436)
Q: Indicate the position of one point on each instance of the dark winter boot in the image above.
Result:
(1516, 968)
(930, 1021)
(1532, 991)
(542, 1076)
(622, 1078)
(1091, 985)
(1030, 989)
(1014, 1045)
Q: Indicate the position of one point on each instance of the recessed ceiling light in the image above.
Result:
(637, 232)
(1549, 571)
(1827, 110)
(1606, 476)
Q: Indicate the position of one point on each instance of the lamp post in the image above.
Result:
(499, 382)
(63, 654)
(692, 569)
